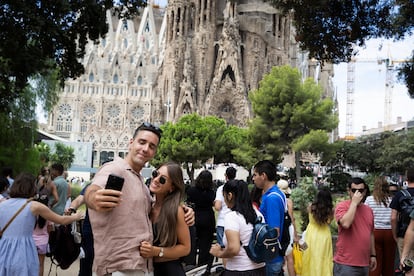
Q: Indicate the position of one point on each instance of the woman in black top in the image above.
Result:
(202, 196)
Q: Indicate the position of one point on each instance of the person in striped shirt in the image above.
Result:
(385, 245)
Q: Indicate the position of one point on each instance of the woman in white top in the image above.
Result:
(385, 245)
(238, 227)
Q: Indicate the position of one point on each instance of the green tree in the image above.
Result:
(364, 153)
(290, 114)
(42, 36)
(44, 153)
(245, 154)
(62, 154)
(233, 138)
(329, 30)
(42, 43)
(396, 153)
(191, 141)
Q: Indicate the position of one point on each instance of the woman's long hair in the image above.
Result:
(167, 220)
(322, 207)
(242, 202)
(204, 180)
(381, 192)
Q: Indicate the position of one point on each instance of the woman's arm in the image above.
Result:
(292, 217)
(40, 209)
(182, 248)
(233, 246)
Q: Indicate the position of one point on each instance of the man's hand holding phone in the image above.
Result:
(105, 200)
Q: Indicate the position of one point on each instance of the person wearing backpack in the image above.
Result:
(402, 205)
(238, 228)
(272, 206)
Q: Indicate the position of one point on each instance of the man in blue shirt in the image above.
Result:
(272, 206)
(56, 173)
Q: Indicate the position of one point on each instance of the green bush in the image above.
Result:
(75, 190)
(302, 196)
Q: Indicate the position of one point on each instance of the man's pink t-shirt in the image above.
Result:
(353, 247)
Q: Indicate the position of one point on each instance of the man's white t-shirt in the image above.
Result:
(224, 209)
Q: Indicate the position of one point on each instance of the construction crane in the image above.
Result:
(389, 85)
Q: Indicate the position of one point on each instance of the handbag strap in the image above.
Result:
(14, 216)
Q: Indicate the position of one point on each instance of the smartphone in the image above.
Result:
(114, 182)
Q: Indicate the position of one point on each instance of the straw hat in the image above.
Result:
(284, 186)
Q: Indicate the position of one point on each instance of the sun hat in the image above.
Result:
(284, 186)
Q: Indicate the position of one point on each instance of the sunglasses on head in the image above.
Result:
(359, 190)
(162, 179)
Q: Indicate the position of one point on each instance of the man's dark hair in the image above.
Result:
(149, 127)
(355, 180)
(58, 167)
(267, 167)
(231, 173)
(410, 175)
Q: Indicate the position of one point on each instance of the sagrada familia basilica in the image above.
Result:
(202, 56)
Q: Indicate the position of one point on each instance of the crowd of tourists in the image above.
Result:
(135, 228)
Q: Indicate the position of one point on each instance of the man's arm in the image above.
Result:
(373, 257)
(394, 223)
(408, 240)
(78, 201)
(349, 216)
(217, 205)
(102, 200)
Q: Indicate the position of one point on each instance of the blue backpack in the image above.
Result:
(264, 243)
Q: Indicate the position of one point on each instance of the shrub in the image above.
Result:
(75, 190)
(302, 196)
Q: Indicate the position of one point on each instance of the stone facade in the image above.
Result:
(193, 56)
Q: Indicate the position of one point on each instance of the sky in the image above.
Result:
(369, 86)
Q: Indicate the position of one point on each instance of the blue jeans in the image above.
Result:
(345, 270)
(219, 235)
(274, 269)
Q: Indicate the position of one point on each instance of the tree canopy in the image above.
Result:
(384, 153)
(39, 37)
(290, 115)
(42, 43)
(330, 30)
(195, 140)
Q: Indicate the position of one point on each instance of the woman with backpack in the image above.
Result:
(238, 227)
(18, 254)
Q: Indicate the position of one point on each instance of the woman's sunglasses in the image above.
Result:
(162, 179)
